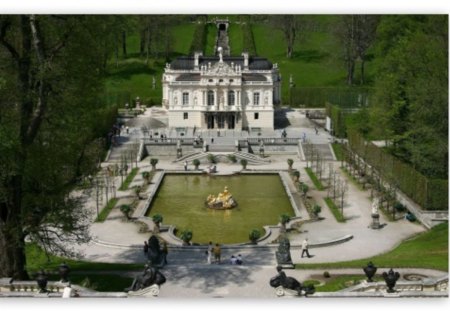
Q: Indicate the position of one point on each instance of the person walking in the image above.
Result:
(209, 253)
(217, 252)
(146, 249)
(239, 259)
(305, 248)
(165, 252)
(185, 165)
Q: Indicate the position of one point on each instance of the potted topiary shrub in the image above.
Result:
(146, 177)
(290, 162)
(196, 163)
(316, 210)
(137, 191)
(296, 175)
(232, 158)
(254, 236)
(212, 159)
(186, 236)
(157, 220)
(244, 164)
(153, 162)
(284, 219)
(304, 189)
(126, 210)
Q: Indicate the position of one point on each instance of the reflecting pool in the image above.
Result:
(181, 201)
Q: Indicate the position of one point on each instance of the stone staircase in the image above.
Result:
(223, 42)
(325, 151)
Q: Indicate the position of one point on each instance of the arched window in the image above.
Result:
(231, 98)
(210, 98)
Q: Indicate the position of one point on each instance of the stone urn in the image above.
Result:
(391, 278)
(42, 280)
(64, 272)
(370, 271)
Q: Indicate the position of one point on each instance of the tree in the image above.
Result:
(356, 34)
(292, 27)
(410, 106)
(48, 109)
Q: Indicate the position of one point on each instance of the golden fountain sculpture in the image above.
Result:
(223, 201)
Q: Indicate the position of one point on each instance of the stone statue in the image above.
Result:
(283, 254)
(219, 49)
(375, 204)
(287, 282)
(155, 254)
(149, 277)
(224, 200)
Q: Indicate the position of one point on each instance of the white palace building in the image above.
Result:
(221, 92)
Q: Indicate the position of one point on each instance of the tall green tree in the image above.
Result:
(48, 105)
(411, 99)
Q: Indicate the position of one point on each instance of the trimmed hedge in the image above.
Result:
(431, 194)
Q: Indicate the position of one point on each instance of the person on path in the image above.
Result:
(165, 252)
(239, 259)
(209, 253)
(233, 260)
(217, 252)
(146, 249)
(305, 248)
(185, 165)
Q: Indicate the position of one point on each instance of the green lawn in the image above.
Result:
(98, 281)
(339, 282)
(36, 260)
(338, 151)
(317, 183)
(211, 34)
(107, 209)
(182, 38)
(428, 250)
(129, 179)
(236, 39)
(316, 60)
(335, 210)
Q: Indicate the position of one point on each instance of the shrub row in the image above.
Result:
(431, 194)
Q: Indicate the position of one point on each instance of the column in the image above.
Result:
(226, 97)
(216, 99)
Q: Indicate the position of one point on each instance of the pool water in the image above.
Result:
(181, 201)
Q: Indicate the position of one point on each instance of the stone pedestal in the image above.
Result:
(375, 221)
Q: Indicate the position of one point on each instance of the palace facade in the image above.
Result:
(221, 92)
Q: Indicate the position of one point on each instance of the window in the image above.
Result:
(231, 98)
(220, 80)
(185, 98)
(256, 115)
(231, 80)
(210, 80)
(255, 98)
(210, 98)
(185, 116)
